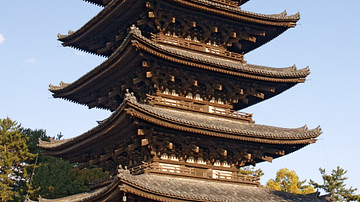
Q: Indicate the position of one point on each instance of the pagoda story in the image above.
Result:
(175, 79)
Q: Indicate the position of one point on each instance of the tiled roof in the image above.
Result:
(101, 2)
(158, 187)
(229, 64)
(287, 72)
(231, 126)
(96, 2)
(275, 17)
(115, 10)
(280, 17)
(234, 129)
(199, 190)
(86, 196)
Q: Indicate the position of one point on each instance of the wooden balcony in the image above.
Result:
(197, 46)
(198, 106)
(198, 173)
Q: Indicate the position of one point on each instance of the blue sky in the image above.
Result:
(326, 39)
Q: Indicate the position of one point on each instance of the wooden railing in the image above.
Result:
(155, 100)
(195, 45)
(139, 169)
(195, 173)
(227, 2)
(100, 182)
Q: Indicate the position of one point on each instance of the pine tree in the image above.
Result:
(14, 158)
(250, 170)
(33, 137)
(286, 180)
(335, 184)
(56, 178)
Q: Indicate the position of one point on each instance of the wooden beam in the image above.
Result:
(105, 156)
(144, 142)
(94, 161)
(259, 95)
(111, 94)
(281, 153)
(244, 100)
(136, 80)
(223, 152)
(266, 88)
(148, 74)
(257, 32)
(151, 14)
(106, 2)
(249, 38)
(140, 132)
(145, 63)
(118, 151)
(267, 158)
(247, 156)
(218, 86)
(195, 149)
(170, 145)
(101, 100)
(132, 146)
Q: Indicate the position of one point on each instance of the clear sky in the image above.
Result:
(326, 39)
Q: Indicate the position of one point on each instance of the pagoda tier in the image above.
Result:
(144, 187)
(231, 3)
(202, 21)
(177, 73)
(137, 133)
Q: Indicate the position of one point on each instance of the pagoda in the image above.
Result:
(175, 79)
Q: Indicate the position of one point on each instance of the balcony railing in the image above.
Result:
(198, 46)
(209, 174)
(204, 108)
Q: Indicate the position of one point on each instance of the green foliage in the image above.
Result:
(286, 180)
(335, 184)
(81, 179)
(33, 137)
(58, 136)
(52, 179)
(250, 170)
(56, 178)
(14, 154)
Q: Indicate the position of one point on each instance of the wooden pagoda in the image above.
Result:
(174, 79)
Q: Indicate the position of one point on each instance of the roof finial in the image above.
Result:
(130, 96)
(135, 30)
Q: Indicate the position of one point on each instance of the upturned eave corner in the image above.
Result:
(61, 86)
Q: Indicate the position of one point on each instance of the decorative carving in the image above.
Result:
(130, 96)
(135, 30)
